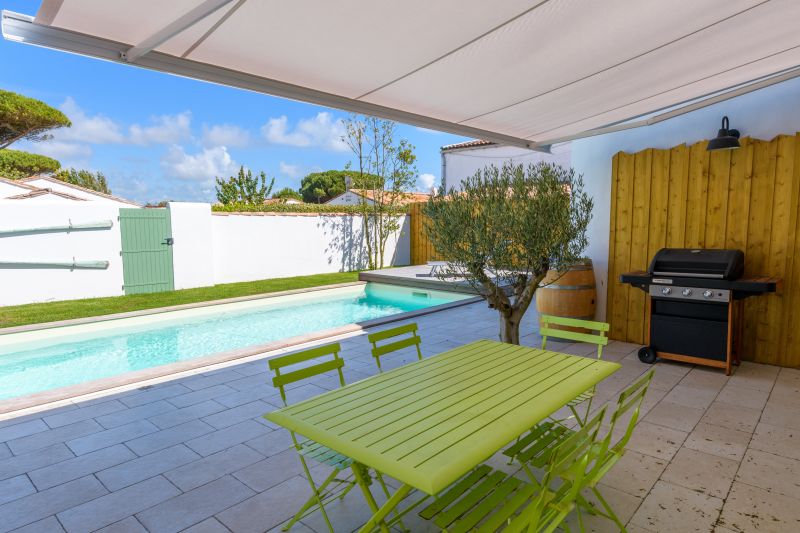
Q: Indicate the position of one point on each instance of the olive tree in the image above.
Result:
(506, 228)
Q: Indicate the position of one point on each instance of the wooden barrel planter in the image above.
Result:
(571, 294)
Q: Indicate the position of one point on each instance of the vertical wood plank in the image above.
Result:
(790, 352)
(622, 247)
(697, 194)
(780, 253)
(719, 168)
(739, 184)
(678, 183)
(643, 162)
(758, 237)
(613, 268)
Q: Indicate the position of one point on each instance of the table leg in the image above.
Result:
(383, 512)
(364, 480)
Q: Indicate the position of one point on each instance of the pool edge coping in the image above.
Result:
(158, 310)
(71, 394)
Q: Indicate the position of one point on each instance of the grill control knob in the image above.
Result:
(708, 294)
(686, 292)
(666, 291)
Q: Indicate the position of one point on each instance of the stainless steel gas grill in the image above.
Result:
(695, 305)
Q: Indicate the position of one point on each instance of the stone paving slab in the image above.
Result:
(193, 453)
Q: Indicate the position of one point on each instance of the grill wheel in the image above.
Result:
(647, 355)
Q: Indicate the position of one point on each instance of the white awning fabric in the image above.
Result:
(518, 72)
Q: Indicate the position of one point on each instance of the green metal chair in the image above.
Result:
(537, 448)
(488, 500)
(630, 400)
(598, 339)
(395, 345)
(333, 487)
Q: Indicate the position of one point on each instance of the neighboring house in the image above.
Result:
(46, 195)
(290, 201)
(82, 193)
(356, 196)
(462, 160)
(13, 187)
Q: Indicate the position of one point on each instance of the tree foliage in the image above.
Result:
(27, 118)
(319, 187)
(386, 169)
(287, 193)
(244, 188)
(506, 228)
(16, 164)
(87, 179)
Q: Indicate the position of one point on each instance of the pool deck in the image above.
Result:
(415, 276)
(711, 453)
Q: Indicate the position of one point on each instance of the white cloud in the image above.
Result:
(58, 149)
(225, 135)
(320, 131)
(293, 171)
(426, 181)
(97, 129)
(166, 129)
(202, 167)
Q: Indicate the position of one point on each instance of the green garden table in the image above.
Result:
(430, 422)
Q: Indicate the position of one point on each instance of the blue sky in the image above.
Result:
(157, 136)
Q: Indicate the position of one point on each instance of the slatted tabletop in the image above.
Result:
(429, 422)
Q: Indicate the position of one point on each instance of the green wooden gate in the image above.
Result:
(146, 250)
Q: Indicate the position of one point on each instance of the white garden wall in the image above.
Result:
(259, 246)
(208, 248)
(25, 285)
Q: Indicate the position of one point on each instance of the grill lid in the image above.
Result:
(698, 263)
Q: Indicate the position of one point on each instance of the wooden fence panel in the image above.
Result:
(687, 197)
(422, 250)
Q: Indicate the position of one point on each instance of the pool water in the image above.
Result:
(37, 365)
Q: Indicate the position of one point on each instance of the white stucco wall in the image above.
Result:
(762, 114)
(25, 285)
(10, 189)
(461, 164)
(193, 250)
(259, 247)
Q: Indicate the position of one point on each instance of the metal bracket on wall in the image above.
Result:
(71, 265)
(86, 226)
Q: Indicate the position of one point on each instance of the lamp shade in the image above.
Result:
(726, 138)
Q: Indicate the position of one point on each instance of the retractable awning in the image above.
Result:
(525, 73)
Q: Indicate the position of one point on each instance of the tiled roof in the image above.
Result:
(79, 188)
(39, 192)
(467, 144)
(405, 197)
(18, 183)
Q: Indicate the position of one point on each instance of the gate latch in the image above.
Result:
(169, 241)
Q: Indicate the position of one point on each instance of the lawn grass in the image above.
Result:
(19, 315)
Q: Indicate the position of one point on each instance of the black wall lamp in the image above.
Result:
(726, 138)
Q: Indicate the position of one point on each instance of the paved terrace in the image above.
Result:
(193, 454)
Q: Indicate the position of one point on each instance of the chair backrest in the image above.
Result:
(569, 464)
(411, 339)
(629, 399)
(329, 352)
(598, 339)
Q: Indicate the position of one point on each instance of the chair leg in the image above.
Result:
(316, 498)
(610, 512)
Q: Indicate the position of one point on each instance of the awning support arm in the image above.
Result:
(185, 21)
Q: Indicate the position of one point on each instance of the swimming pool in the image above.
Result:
(41, 360)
